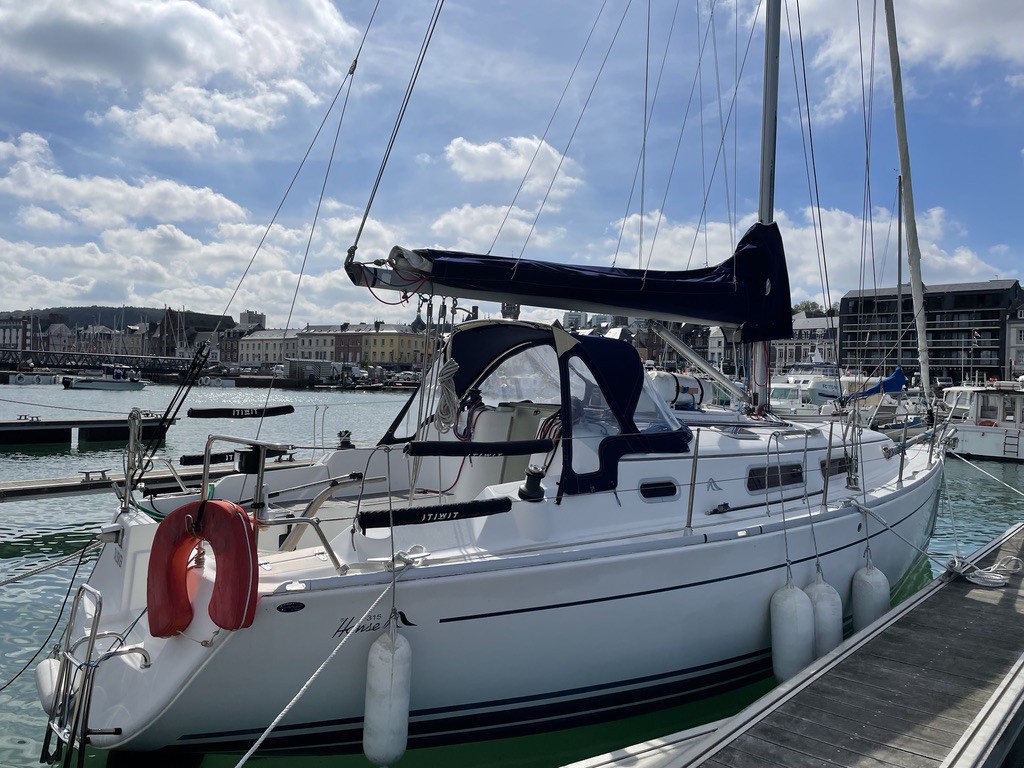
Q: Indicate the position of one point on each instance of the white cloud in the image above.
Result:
(110, 202)
(188, 117)
(177, 72)
(512, 159)
(39, 218)
(473, 228)
(933, 35)
(29, 148)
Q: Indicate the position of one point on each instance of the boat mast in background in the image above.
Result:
(759, 363)
(913, 246)
(899, 271)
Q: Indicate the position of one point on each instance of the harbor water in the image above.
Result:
(975, 508)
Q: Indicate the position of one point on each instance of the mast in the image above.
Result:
(766, 199)
(913, 246)
(899, 271)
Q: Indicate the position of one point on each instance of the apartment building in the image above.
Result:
(968, 328)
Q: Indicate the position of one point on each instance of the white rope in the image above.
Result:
(448, 401)
(304, 688)
(994, 576)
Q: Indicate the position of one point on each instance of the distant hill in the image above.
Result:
(118, 317)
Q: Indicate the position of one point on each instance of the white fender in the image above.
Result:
(386, 712)
(46, 682)
(828, 615)
(871, 597)
(792, 631)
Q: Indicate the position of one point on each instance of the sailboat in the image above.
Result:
(541, 539)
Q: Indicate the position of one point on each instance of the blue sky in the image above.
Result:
(145, 146)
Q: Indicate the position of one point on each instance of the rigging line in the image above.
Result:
(302, 691)
(424, 45)
(735, 133)
(802, 108)
(643, 144)
(312, 229)
(174, 406)
(87, 549)
(867, 91)
(654, 103)
(703, 222)
(869, 217)
(722, 128)
(987, 474)
(551, 120)
(583, 111)
(721, 144)
(60, 615)
(816, 199)
(305, 157)
(702, 43)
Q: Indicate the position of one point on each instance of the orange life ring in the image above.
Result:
(226, 528)
(986, 423)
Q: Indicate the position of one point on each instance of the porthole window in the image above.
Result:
(839, 465)
(775, 476)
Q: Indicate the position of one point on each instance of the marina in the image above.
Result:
(977, 509)
(554, 546)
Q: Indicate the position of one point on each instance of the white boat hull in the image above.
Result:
(540, 640)
(552, 561)
(988, 442)
(126, 385)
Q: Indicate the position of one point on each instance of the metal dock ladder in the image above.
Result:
(69, 711)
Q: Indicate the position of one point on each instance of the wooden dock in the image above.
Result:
(33, 430)
(103, 480)
(937, 682)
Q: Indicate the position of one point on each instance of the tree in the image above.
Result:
(810, 308)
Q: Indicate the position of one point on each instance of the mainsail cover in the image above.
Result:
(892, 383)
(749, 291)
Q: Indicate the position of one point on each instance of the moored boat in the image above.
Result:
(509, 547)
(986, 419)
(541, 538)
(110, 377)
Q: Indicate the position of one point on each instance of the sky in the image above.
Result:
(162, 153)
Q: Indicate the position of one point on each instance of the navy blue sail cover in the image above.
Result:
(892, 383)
(750, 290)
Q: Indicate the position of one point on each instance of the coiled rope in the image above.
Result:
(447, 399)
(994, 576)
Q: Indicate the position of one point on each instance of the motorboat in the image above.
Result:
(109, 377)
(806, 397)
(986, 419)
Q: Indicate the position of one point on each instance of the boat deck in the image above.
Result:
(938, 681)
